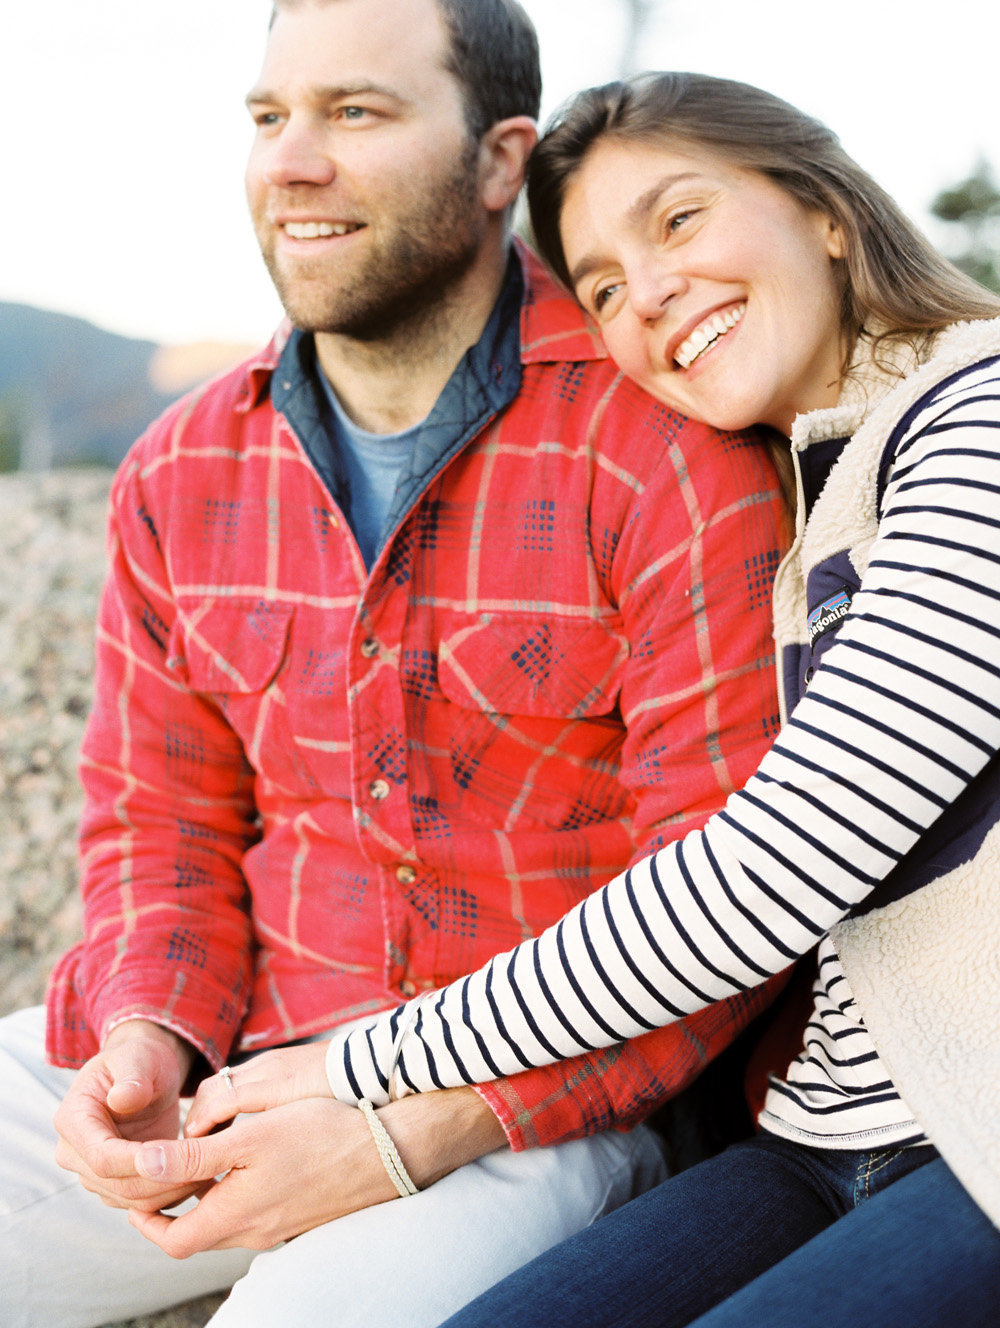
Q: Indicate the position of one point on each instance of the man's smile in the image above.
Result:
(318, 230)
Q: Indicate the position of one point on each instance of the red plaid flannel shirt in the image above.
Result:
(311, 792)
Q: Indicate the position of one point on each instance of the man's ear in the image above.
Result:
(503, 158)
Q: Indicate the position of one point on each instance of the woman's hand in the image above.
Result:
(269, 1177)
(272, 1079)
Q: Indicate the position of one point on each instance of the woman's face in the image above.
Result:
(714, 289)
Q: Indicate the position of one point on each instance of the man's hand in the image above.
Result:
(128, 1092)
(304, 1163)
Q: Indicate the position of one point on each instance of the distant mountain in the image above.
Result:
(73, 394)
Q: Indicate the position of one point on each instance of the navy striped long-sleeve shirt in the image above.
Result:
(902, 714)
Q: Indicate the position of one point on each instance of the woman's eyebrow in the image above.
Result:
(644, 204)
(636, 214)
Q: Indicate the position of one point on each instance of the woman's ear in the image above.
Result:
(503, 154)
(835, 246)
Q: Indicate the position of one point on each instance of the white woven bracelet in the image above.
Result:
(387, 1151)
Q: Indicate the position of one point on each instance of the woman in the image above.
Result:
(745, 271)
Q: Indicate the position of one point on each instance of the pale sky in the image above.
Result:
(125, 131)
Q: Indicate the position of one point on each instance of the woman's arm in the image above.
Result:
(901, 716)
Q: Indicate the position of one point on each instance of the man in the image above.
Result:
(417, 628)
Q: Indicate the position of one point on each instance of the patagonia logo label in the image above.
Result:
(829, 615)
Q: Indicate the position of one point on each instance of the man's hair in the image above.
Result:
(893, 281)
(493, 55)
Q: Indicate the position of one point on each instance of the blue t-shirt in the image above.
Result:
(375, 478)
(373, 462)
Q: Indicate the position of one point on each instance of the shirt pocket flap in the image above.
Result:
(517, 665)
(229, 647)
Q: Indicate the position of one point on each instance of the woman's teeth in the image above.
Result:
(706, 335)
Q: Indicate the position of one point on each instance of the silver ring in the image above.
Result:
(227, 1074)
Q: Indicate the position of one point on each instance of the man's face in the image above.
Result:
(362, 180)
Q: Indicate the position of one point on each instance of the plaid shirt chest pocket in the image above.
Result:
(546, 667)
(236, 655)
(531, 702)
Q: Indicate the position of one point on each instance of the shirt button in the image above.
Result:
(370, 648)
(406, 875)
(407, 987)
(379, 790)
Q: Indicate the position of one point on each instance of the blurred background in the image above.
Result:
(126, 136)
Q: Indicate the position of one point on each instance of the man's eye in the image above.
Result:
(354, 112)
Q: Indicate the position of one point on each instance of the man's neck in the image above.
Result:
(390, 384)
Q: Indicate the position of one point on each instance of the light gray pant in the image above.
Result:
(67, 1261)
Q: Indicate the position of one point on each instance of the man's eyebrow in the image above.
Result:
(636, 214)
(326, 93)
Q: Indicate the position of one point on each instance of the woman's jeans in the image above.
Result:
(771, 1234)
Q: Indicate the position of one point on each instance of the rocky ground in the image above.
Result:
(51, 567)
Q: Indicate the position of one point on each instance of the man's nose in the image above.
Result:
(300, 155)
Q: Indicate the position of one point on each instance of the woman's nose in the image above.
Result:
(651, 287)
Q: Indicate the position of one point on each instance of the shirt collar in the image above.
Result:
(553, 326)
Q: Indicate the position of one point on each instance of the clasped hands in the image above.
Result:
(294, 1159)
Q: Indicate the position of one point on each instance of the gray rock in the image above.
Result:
(51, 569)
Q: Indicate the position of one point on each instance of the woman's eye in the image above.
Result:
(677, 220)
(605, 293)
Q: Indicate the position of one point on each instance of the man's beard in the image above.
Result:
(404, 281)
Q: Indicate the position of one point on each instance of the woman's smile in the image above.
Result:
(707, 334)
